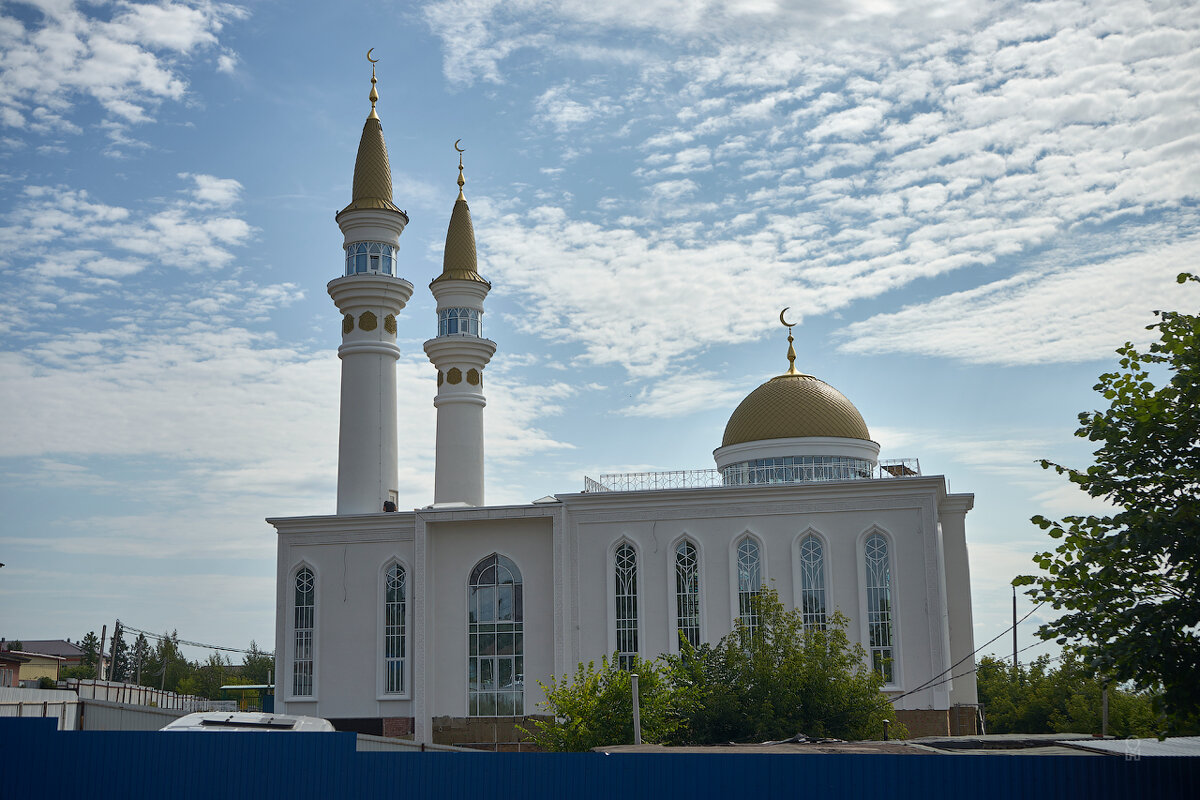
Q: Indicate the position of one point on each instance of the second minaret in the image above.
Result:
(460, 353)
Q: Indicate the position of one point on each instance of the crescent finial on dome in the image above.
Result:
(791, 353)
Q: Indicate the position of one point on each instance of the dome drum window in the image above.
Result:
(460, 322)
(370, 258)
(796, 469)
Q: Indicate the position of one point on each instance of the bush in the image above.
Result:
(595, 708)
(769, 683)
(780, 679)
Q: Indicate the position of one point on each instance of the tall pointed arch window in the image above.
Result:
(626, 605)
(395, 600)
(749, 572)
(496, 647)
(687, 592)
(879, 606)
(812, 582)
(303, 625)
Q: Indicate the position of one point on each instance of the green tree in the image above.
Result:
(166, 655)
(595, 708)
(118, 671)
(88, 662)
(1128, 581)
(210, 676)
(779, 679)
(139, 657)
(1065, 699)
(258, 667)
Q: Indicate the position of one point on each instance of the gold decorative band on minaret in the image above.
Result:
(473, 376)
(367, 321)
(454, 376)
(347, 324)
(389, 324)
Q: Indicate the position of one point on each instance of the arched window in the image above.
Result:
(460, 321)
(879, 606)
(496, 650)
(395, 598)
(627, 605)
(687, 592)
(370, 257)
(302, 648)
(749, 572)
(812, 582)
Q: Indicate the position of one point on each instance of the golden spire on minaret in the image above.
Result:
(791, 354)
(374, 95)
(372, 173)
(461, 180)
(459, 261)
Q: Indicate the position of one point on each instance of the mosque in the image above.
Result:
(439, 622)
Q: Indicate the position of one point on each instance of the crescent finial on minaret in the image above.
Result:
(374, 96)
(791, 353)
(461, 180)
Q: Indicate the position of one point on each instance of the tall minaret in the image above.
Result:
(460, 353)
(369, 295)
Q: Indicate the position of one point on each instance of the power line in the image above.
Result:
(1051, 659)
(161, 636)
(929, 684)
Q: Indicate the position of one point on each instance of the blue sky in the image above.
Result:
(969, 205)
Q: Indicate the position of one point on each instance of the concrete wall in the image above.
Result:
(454, 548)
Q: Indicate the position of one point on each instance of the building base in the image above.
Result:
(497, 734)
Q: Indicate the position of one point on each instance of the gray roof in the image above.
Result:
(1144, 748)
(52, 647)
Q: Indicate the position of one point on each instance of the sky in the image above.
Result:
(966, 205)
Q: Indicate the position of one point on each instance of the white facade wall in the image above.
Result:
(565, 554)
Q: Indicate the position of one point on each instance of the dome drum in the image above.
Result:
(795, 429)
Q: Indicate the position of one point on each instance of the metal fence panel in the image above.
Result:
(40, 761)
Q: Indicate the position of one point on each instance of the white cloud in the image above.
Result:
(675, 396)
(1039, 317)
(48, 66)
(819, 174)
(214, 191)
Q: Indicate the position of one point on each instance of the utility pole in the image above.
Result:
(1016, 672)
(100, 655)
(637, 710)
(1104, 710)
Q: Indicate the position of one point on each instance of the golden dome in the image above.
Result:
(794, 405)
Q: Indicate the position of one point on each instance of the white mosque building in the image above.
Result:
(440, 621)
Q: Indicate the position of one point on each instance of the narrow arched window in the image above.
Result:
(812, 582)
(303, 625)
(394, 647)
(749, 570)
(626, 606)
(687, 592)
(879, 606)
(496, 650)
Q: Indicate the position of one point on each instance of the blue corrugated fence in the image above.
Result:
(38, 761)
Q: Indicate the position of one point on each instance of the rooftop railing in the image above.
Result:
(711, 478)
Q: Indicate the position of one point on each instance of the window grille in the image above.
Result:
(626, 606)
(302, 653)
(496, 648)
(750, 581)
(394, 645)
(687, 592)
(812, 583)
(879, 606)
